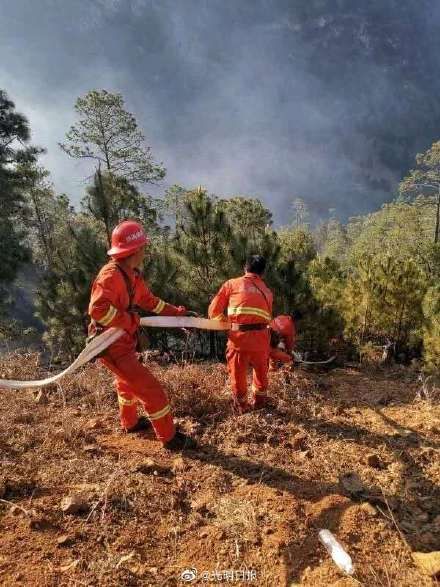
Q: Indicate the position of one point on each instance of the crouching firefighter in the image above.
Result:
(248, 303)
(116, 290)
(283, 339)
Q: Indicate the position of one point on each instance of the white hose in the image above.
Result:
(298, 359)
(184, 322)
(101, 342)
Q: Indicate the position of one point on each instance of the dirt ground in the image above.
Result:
(353, 451)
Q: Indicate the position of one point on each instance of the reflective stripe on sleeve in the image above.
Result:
(161, 413)
(160, 306)
(249, 311)
(110, 314)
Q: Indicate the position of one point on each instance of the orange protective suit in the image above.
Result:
(247, 301)
(285, 333)
(114, 292)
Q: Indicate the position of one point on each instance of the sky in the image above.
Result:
(223, 90)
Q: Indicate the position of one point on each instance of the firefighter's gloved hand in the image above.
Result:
(191, 314)
(181, 311)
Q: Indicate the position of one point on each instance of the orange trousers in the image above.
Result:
(135, 383)
(238, 365)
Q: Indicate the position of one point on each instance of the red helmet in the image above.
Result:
(284, 326)
(127, 237)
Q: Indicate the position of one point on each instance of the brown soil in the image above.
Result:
(351, 451)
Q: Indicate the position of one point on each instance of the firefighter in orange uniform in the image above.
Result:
(116, 291)
(248, 303)
(283, 338)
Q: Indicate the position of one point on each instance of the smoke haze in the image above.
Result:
(328, 101)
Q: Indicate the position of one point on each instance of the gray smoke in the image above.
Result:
(273, 99)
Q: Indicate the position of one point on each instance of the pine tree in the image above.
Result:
(175, 200)
(247, 217)
(111, 199)
(431, 329)
(203, 243)
(109, 135)
(15, 154)
(425, 179)
(68, 261)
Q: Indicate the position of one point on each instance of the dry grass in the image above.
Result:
(254, 496)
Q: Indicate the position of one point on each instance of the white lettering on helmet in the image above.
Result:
(134, 236)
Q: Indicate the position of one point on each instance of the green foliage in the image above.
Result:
(425, 179)
(174, 201)
(332, 240)
(15, 154)
(297, 244)
(431, 330)
(296, 250)
(111, 199)
(400, 229)
(109, 135)
(203, 244)
(250, 234)
(63, 295)
(383, 300)
(323, 317)
(373, 280)
(247, 217)
(69, 248)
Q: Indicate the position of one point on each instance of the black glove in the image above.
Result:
(192, 314)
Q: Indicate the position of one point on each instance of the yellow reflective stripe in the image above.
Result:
(160, 306)
(126, 402)
(249, 311)
(161, 413)
(259, 391)
(220, 317)
(110, 314)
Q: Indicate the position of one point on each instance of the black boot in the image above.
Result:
(142, 424)
(180, 441)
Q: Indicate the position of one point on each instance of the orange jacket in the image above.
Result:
(110, 299)
(246, 300)
(284, 327)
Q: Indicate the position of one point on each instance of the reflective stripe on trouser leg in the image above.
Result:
(162, 422)
(261, 392)
(237, 367)
(142, 384)
(127, 404)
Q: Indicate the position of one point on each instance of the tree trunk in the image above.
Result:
(437, 220)
(105, 209)
(365, 322)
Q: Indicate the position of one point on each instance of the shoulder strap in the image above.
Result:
(264, 296)
(129, 285)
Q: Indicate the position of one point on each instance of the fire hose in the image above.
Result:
(101, 342)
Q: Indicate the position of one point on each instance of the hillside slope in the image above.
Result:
(251, 500)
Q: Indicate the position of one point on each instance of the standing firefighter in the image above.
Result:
(116, 291)
(248, 303)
